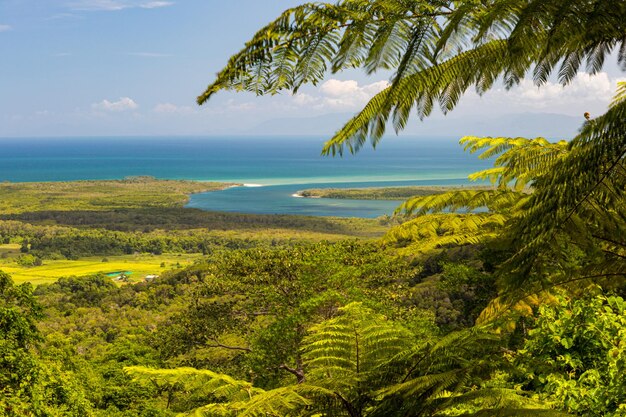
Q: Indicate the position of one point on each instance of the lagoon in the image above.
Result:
(280, 199)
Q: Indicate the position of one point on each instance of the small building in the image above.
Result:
(150, 278)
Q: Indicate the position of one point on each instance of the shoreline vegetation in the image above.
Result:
(383, 193)
(130, 192)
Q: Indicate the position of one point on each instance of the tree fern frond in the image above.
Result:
(620, 94)
(351, 345)
(219, 385)
(594, 161)
(277, 402)
(429, 232)
(453, 201)
(438, 50)
(520, 160)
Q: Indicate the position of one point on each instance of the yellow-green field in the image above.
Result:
(138, 265)
(9, 251)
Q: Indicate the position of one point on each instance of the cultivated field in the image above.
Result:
(136, 266)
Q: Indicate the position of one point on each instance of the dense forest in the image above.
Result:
(500, 301)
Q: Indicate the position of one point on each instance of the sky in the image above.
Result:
(135, 67)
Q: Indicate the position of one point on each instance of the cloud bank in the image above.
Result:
(340, 95)
(584, 93)
(583, 87)
(123, 104)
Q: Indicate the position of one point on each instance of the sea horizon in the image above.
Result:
(281, 166)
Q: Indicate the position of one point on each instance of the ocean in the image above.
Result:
(273, 168)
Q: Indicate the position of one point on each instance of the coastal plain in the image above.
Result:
(50, 230)
(140, 225)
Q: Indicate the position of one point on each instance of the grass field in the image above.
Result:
(138, 265)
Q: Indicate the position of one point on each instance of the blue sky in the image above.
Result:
(134, 67)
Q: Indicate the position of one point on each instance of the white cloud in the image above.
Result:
(337, 89)
(582, 88)
(5, 28)
(303, 99)
(584, 93)
(123, 104)
(340, 95)
(173, 109)
(114, 5)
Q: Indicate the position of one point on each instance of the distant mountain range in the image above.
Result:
(553, 126)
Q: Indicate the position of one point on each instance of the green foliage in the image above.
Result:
(251, 308)
(359, 363)
(28, 260)
(558, 210)
(575, 355)
(519, 160)
(18, 334)
(30, 386)
(82, 292)
(154, 230)
(427, 233)
(243, 313)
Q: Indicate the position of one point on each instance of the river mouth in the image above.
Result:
(283, 199)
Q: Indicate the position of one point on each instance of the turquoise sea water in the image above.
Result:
(281, 165)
